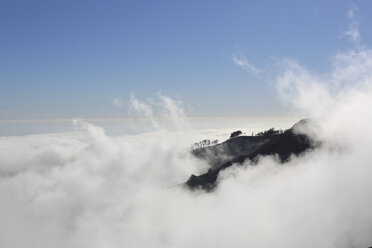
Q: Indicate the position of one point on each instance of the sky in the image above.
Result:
(69, 59)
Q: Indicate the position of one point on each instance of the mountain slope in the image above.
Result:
(240, 149)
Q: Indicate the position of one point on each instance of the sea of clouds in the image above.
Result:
(87, 189)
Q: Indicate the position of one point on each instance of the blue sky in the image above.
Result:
(65, 59)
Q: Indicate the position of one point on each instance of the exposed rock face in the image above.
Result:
(242, 148)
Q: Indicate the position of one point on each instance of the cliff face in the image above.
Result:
(242, 148)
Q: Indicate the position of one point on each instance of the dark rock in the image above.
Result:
(242, 148)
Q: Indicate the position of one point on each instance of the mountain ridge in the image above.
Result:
(239, 149)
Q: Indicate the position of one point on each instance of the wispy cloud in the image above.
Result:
(353, 28)
(351, 12)
(245, 64)
(155, 110)
(118, 103)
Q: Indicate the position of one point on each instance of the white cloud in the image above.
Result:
(140, 107)
(351, 12)
(118, 103)
(164, 108)
(353, 31)
(353, 28)
(245, 64)
(172, 109)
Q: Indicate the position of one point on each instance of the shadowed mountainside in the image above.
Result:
(239, 149)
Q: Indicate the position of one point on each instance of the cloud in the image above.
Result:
(351, 12)
(163, 108)
(245, 64)
(140, 107)
(353, 28)
(118, 103)
(353, 31)
(173, 110)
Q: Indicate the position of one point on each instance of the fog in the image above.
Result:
(89, 189)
